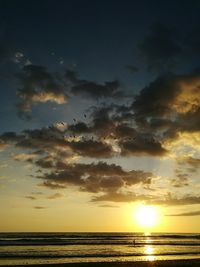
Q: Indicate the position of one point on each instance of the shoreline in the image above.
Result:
(159, 263)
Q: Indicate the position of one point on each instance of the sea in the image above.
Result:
(44, 248)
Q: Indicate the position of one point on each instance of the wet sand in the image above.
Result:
(167, 263)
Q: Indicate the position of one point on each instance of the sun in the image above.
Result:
(146, 216)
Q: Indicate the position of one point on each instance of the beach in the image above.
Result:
(166, 263)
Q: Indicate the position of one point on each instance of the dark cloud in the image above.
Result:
(169, 200)
(49, 141)
(184, 214)
(45, 162)
(160, 47)
(55, 196)
(90, 148)
(31, 197)
(96, 178)
(189, 164)
(124, 130)
(175, 201)
(38, 85)
(52, 185)
(165, 48)
(108, 206)
(194, 162)
(142, 145)
(93, 89)
(170, 104)
(102, 123)
(180, 180)
(166, 106)
(39, 141)
(37, 195)
(154, 199)
(155, 99)
(79, 128)
(39, 207)
(11, 137)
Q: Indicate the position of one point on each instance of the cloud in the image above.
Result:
(92, 89)
(39, 207)
(184, 214)
(52, 185)
(79, 128)
(37, 195)
(124, 130)
(55, 196)
(162, 111)
(96, 178)
(161, 47)
(142, 145)
(31, 197)
(194, 162)
(120, 197)
(108, 206)
(38, 85)
(181, 180)
(90, 148)
(175, 201)
(155, 199)
(164, 48)
(169, 105)
(11, 137)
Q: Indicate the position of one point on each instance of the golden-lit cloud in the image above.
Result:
(161, 121)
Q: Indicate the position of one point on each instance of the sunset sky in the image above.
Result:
(100, 115)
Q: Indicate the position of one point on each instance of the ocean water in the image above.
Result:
(28, 248)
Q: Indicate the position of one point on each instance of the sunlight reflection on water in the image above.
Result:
(148, 250)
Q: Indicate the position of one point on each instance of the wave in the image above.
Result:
(54, 242)
(91, 239)
(29, 256)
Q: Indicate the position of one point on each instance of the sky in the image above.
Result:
(100, 114)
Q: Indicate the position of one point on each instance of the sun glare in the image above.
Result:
(146, 216)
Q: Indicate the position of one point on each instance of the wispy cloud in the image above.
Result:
(185, 214)
(39, 207)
